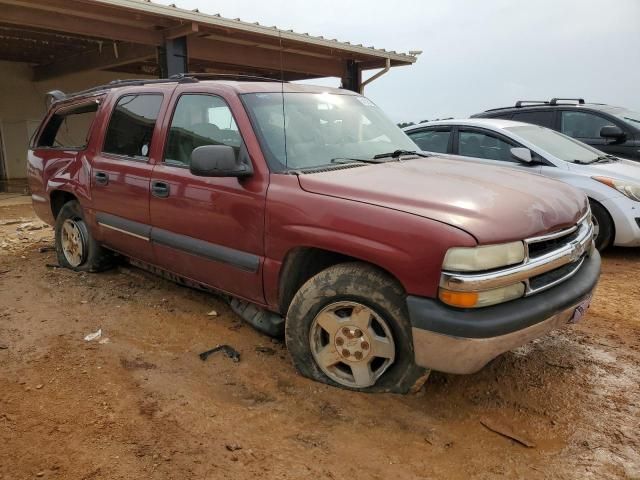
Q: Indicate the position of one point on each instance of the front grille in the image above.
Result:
(537, 249)
(548, 279)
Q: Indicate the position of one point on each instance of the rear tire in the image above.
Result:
(603, 226)
(76, 249)
(348, 326)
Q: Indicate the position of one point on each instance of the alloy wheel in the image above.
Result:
(351, 344)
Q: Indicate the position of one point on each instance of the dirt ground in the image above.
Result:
(139, 403)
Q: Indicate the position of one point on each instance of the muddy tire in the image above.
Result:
(348, 326)
(76, 249)
(603, 226)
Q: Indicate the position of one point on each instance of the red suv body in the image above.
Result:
(290, 200)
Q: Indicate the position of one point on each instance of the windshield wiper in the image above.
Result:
(606, 159)
(399, 153)
(351, 160)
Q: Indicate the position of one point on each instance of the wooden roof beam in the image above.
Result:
(111, 56)
(59, 22)
(261, 58)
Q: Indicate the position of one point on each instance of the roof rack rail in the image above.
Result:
(554, 101)
(58, 96)
(224, 76)
(520, 103)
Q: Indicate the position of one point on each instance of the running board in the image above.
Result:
(262, 320)
(259, 318)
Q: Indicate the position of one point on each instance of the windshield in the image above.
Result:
(557, 144)
(312, 129)
(632, 118)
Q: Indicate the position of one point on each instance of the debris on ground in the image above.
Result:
(48, 248)
(212, 313)
(93, 336)
(232, 447)
(229, 351)
(506, 431)
(265, 350)
(3, 347)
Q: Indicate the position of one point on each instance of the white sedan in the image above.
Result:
(612, 184)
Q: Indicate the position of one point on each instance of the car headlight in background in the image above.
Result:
(628, 189)
(477, 259)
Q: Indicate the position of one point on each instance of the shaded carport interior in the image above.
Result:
(137, 38)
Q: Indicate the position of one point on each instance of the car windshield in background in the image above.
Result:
(311, 129)
(557, 144)
(632, 118)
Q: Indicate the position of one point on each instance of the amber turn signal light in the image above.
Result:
(459, 299)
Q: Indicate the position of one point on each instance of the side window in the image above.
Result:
(582, 124)
(434, 140)
(544, 118)
(483, 145)
(70, 128)
(200, 120)
(131, 125)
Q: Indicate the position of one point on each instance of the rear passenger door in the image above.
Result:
(207, 229)
(432, 139)
(491, 148)
(121, 172)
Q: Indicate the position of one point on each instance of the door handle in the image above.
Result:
(159, 189)
(102, 178)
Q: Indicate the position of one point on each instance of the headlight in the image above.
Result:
(628, 189)
(481, 299)
(477, 259)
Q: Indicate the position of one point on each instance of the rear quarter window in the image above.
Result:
(69, 128)
(544, 119)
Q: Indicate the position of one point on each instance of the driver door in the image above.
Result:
(207, 229)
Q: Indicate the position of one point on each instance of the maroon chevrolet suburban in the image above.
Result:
(314, 215)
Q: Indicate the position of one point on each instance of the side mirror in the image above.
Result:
(613, 132)
(522, 154)
(217, 161)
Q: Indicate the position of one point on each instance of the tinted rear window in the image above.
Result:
(544, 119)
(69, 128)
(131, 126)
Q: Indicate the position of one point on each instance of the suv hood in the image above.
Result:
(493, 204)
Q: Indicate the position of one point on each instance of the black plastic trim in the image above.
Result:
(136, 228)
(432, 315)
(211, 251)
(193, 246)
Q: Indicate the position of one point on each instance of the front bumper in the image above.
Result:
(463, 341)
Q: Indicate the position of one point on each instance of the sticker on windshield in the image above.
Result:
(366, 102)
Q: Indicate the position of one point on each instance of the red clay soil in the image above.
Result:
(143, 405)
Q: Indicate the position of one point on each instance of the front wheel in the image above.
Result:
(602, 226)
(348, 326)
(76, 249)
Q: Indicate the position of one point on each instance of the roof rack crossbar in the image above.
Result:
(520, 103)
(554, 101)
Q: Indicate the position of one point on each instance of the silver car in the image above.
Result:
(612, 184)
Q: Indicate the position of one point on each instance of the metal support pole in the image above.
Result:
(352, 78)
(173, 58)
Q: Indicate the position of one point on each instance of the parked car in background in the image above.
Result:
(612, 184)
(323, 225)
(613, 130)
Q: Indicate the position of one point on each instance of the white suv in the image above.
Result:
(612, 184)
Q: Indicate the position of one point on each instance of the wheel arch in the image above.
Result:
(57, 198)
(611, 220)
(302, 263)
